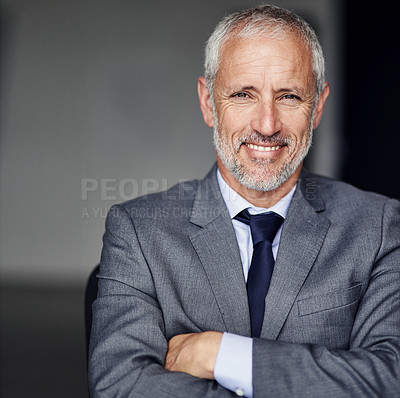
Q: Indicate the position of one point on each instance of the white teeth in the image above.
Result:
(263, 148)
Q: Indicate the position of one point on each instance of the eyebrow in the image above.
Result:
(248, 88)
(294, 89)
(243, 88)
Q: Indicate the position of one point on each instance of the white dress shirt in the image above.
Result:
(233, 367)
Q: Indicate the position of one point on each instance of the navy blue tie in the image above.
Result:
(263, 229)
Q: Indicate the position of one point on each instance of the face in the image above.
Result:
(264, 111)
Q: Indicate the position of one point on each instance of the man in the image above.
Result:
(174, 316)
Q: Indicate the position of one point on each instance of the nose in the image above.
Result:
(266, 119)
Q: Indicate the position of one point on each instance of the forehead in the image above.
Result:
(263, 57)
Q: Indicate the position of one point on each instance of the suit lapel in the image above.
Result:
(303, 234)
(217, 248)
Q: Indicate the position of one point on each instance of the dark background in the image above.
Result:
(372, 103)
(107, 89)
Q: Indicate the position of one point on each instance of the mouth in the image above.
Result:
(261, 148)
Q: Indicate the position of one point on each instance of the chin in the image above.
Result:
(262, 180)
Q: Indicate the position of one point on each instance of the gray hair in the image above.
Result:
(272, 21)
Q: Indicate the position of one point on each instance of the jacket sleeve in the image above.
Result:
(128, 342)
(370, 367)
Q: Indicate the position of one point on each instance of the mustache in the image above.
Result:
(257, 138)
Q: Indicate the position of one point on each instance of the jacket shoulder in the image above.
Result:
(338, 194)
(163, 204)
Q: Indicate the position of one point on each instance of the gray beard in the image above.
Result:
(257, 181)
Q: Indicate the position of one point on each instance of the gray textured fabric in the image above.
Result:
(171, 264)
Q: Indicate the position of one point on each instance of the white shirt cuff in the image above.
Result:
(234, 365)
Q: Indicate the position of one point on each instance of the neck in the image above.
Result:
(257, 198)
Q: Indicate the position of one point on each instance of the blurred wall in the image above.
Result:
(99, 104)
(372, 104)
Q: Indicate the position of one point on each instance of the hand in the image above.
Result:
(193, 353)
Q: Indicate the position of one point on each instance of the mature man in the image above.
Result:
(261, 280)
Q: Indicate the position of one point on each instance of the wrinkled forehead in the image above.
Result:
(260, 53)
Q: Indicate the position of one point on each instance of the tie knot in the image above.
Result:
(263, 226)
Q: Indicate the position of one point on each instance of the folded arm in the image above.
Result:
(128, 342)
(370, 367)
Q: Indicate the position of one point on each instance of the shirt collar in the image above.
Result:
(236, 203)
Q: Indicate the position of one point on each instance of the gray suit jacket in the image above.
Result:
(171, 264)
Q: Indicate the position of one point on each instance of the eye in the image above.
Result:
(240, 95)
(291, 97)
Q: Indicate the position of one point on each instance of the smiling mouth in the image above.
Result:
(263, 148)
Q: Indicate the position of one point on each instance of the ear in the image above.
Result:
(205, 101)
(320, 105)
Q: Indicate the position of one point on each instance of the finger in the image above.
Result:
(169, 361)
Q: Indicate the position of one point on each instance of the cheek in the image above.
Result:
(233, 121)
(298, 126)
